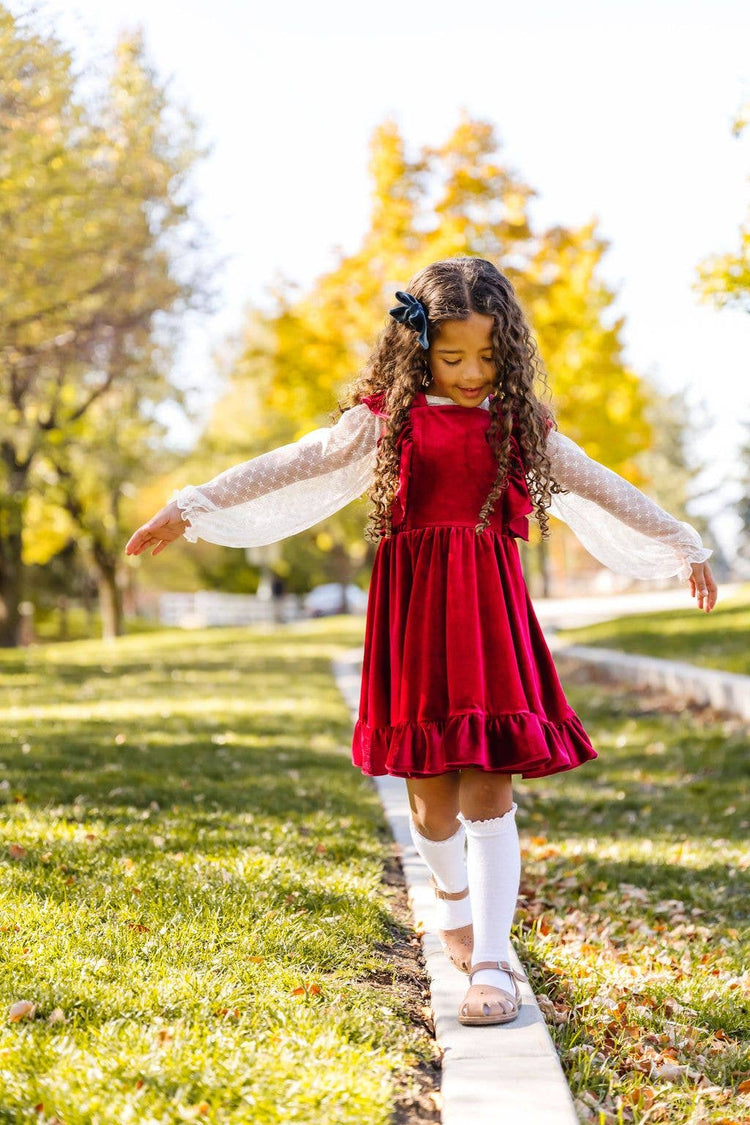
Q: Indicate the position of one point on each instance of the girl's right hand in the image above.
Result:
(161, 530)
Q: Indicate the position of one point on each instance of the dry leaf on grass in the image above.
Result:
(670, 1071)
(21, 1010)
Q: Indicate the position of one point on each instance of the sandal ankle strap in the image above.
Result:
(452, 895)
(504, 965)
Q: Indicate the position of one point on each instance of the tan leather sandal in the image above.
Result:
(457, 944)
(484, 1004)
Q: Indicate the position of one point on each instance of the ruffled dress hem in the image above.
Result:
(528, 744)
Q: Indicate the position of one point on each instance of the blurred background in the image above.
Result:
(206, 210)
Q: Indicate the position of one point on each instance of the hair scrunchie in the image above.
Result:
(411, 313)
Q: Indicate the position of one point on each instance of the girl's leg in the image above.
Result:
(440, 840)
(488, 812)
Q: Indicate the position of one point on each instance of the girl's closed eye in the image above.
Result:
(455, 362)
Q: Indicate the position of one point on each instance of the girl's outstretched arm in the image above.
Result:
(623, 528)
(275, 495)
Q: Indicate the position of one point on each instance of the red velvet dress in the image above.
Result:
(456, 670)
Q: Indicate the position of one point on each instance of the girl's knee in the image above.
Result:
(435, 824)
(484, 794)
(434, 805)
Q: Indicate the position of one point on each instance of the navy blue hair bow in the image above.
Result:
(411, 313)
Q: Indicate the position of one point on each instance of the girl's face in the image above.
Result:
(460, 360)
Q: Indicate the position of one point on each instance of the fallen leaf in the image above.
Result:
(670, 1071)
(21, 1010)
(57, 1015)
(641, 1096)
(546, 1007)
(17, 851)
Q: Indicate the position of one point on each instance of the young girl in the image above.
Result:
(459, 690)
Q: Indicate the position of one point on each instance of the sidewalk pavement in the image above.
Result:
(498, 1075)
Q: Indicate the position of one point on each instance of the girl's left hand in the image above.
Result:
(702, 583)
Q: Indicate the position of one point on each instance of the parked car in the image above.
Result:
(328, 599)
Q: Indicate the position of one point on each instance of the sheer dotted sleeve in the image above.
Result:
(287, 489)
(617, 523)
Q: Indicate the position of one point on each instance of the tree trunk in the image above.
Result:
(110, 600)
(11, 568)
(543, 557)
(342, 566)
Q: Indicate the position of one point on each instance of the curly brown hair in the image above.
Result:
(451, 289)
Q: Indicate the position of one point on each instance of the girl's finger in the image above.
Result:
(138, 542)
(140, 539)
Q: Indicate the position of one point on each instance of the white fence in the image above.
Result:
(211, 607)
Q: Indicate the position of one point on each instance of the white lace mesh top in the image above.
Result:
(290, 488)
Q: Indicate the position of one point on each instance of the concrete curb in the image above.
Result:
(509, 1074)
(726, 691)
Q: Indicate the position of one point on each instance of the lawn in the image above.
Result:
(633, 920)
(198, 896)
(197, 890)
(718, 639)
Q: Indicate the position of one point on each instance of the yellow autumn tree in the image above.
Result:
(460, 197)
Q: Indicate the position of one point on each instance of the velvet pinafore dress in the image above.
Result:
(456, 671)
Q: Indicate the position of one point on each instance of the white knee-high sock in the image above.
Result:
(446, 860)
(494, 871)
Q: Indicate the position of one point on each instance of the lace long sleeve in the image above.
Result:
(288, 489)
(615, 522)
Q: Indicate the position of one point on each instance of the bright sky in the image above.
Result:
(619, 111)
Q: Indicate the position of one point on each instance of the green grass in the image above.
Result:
(200, 888)
(201, 894)
(634, 916)
(82, 626)
(718, 639)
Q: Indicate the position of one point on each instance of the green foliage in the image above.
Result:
(98, 262)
